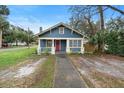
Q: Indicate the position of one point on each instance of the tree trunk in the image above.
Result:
(16, 42)
(102, 27)
(0, 39)
(100, 47)
(101, 15)
(28, 44)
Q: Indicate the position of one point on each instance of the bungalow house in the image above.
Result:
(60, 38)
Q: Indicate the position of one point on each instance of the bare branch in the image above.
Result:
(115, 9)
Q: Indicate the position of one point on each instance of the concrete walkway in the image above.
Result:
(65, 74)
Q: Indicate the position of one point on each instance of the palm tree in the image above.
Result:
(4, 11)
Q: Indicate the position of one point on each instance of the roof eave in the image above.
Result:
(58, 25)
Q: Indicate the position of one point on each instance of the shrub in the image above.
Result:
(121, 43)
(115, 42)
(112, 42)
(46, 51)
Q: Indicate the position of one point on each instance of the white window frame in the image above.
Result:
(47, 43)
(61, 31)
(75, 43)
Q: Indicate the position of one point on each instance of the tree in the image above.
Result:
(87, 12)
(115, 24)
(115, 9)
(82, 15)
(81, 26)
(28, 37)
(4, 25)
(121, 43)
(17, 34)
(99, 39)
(4, 11)
(112, 42)
(101, 15)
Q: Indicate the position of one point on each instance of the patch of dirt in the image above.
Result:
(104, 67)
(114, 57)
(22, 75)
(100, 71)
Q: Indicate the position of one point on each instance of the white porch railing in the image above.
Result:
(46, 50)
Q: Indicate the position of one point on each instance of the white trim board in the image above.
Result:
(63, 38)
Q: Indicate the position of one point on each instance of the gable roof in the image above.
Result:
(59, 24)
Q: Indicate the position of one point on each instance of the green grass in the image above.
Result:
(9, 58)
(47, 74)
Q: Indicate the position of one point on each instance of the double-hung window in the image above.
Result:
(49, 43)
(61, 30)
(79, 43)
(75, 43)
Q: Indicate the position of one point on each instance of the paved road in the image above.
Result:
(12, 49)
(65, 74)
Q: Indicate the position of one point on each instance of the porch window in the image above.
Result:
(75, 43)
(70, 43)
(49, 43)
(79, 43)
(61, 30)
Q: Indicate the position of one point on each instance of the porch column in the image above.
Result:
(82, 46)
(53, 48)
(39, 48)
(67, 46)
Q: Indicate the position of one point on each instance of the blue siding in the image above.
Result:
(63, 45)
(75, 50)
(42, 43)
(67, 34)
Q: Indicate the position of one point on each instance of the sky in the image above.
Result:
(35, 16)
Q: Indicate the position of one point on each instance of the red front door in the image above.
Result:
(57, 45)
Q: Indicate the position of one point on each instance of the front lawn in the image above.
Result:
(9, 58)
(44, 74)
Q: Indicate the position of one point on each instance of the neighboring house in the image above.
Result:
(60, 38)
(19, 43)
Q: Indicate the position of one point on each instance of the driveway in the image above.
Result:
(65, 74)
(101, 71)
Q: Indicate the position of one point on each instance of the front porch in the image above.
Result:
(57, 45)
